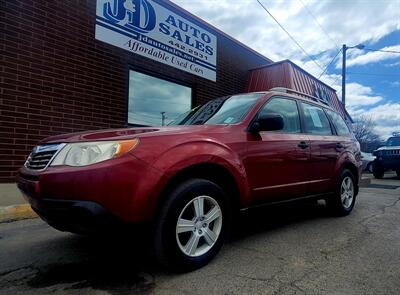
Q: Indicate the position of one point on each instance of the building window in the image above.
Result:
(154, 101)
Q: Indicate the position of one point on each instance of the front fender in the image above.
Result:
(186, 155)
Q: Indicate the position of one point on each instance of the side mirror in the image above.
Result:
(267, 122)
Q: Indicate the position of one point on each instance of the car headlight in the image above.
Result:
(87, 153)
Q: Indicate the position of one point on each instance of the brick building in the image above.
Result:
(74, 65)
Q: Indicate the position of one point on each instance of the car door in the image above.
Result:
(277, 162)
(343, 139)
(324, 147)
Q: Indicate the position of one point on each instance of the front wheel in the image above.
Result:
(191, 226)
(377, 171)
(369, 168)
(342, 202)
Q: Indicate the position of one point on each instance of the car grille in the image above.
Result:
(41, 156)
(391, 153)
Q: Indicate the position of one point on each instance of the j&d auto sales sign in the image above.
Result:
(149, 29)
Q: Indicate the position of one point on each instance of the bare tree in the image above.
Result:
(363, 129)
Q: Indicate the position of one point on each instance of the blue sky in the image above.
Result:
(321, 27)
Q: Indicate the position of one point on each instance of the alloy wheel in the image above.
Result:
(347, 192)
(199, 226)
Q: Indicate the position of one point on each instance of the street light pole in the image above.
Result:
(344, 49)
(162, 118)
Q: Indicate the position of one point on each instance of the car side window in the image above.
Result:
(287, 108)
(340, 125)
(315, 120)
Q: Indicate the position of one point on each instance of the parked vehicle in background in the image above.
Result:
(387, 157)
(189, 181)
(367, 161)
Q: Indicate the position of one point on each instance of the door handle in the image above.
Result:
(339, 146)
(303, 145)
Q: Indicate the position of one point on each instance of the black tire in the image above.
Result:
(165, 242)
(378, 171)
(398, 173)
(369, 168)
(334, 203)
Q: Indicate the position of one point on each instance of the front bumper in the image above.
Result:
(82, 217)
(120, 188)
(389, 162)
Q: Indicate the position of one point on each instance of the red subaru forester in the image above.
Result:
(188, 179)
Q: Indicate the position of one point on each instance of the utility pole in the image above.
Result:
(162, 118)
(344, 49)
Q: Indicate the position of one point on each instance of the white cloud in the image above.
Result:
(386, 131)
(395, 64)
(374, 56)
(386, 116)
(360, 95)
(357, 95)
(386, 112)
(349, 22)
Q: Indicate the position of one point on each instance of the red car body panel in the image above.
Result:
(269, 166)
(270, 156)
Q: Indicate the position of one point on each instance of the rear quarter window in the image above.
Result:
(340, 125)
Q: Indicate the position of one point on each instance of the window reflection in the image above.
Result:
(149, 97)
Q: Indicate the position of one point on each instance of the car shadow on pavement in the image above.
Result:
(273, 217)
(121, 264)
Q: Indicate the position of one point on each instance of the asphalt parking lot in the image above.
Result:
(292, 249)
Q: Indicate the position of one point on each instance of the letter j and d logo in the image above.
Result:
(137, 15)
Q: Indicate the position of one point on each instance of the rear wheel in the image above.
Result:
(398, 173)
(377, 171)
(369, 168)
(343, 201)
(191, 226)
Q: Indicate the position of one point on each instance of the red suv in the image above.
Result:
(188, 179)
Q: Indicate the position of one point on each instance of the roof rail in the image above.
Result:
(291, 91)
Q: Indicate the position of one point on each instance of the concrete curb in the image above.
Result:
(16, 212)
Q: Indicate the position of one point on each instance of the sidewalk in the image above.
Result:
(10, 195)
(13, 206)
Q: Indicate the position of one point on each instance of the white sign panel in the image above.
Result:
(149, 29)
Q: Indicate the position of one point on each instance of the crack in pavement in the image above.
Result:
(18, 276)
(364, 222)
(2, 274)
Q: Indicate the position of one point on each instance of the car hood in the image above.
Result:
(129, 133)
(386, 148)
(368, 157)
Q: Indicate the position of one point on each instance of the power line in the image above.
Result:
(373, 74)
(333, 59)
(290, 36)
(318, 23)
(325, 32)
(336, 80)
(379, 50)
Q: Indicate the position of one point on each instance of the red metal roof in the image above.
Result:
(289, 75)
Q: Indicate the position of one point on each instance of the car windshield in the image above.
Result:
(393, 141)
(223, 110)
